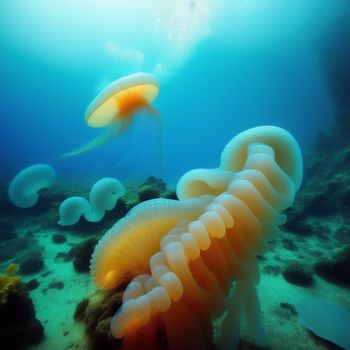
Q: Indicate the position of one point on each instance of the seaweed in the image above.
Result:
(9, 282)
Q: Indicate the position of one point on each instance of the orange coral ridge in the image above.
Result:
(194, 260)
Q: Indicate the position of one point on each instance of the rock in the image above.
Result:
(322, 232)
(31, 265)
(19, 248)
(10, 249)
(64, 256)
(342, 235)
(289, 244)
(97, 321)
(6, 225)
(289, 307)
(56, 285)
(82, 254)
(58, 238)
(337, 269)
(296, 223)
(6, 235)
(22, 335)
(18, 326)
(111, 305)
(79, 313)
(147, 192)
(91, 317)
(102, 338)
(152, 188)
(170, 194)
(297, 274)
(272, 269)
(322, 204)
(32, 284)
(29, 234)
(247, 345)
(157, 184)
(46, 273)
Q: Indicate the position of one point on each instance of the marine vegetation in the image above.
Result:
(184, 255)
(116, 106)
(9, 282)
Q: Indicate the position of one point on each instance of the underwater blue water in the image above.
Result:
(225, 83)
(223, 66)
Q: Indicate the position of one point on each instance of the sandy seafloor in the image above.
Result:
(55, 307)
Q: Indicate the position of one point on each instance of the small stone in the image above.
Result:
(102, 338)
(272, 269)
(289, 244)
(32, 284)
(59, 238)
(46, 273)
(289, 307)
(64, 256)
(297, 274)
(31, 265)
(337, 269)
(79, 313)
(56, 284)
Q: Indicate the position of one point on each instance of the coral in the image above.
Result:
(8, 282)
(23, 190)
(186, 253)
(103, 196)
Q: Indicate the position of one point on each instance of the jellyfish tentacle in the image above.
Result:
(113, 132)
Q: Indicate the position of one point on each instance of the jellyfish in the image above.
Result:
(115, 107)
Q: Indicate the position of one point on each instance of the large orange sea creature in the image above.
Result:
(185, 256)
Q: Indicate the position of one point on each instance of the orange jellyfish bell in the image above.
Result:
(121, 99)
(115, 106)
